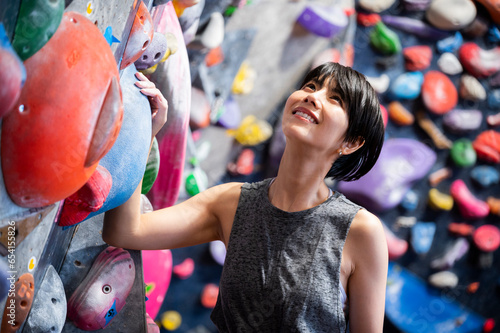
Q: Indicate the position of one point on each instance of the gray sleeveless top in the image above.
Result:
(282, 269)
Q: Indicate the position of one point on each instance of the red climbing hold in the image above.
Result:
(438, 93)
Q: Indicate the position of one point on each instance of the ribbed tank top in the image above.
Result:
(282, 269)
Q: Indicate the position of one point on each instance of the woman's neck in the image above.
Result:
(299, 184)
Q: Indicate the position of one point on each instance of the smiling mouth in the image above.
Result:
(305, 116)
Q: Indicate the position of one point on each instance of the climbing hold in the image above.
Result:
(37, 22)
(185, 269)
(110, 38)
(244, 163)
(485, 175)
(439, 200)
(48, 312)
(251, 131)
(157, 266)
(407, 85)
(477, 29)
(196, 182)
(103, 292)
(451, 14)
(401, 163)
(61, 153)
(406, 221)
(89, 198)
(376, 6)
(462, 153)
(214, 57)
(18, 303)
(471, 88)
(414, 26)
(469, 206)
(494, 204)
(494, 99)
(487, 146)
(410, 200)
(367, 19)
(422, 235)
(450, 44)
(384, 40)
(449, 64)
(152, 327)
(209, 295)
(395, 245)
(416, 5)
(231, 114)
(459, 121)
(139, 38)
(11, 76)
(171, 320)
(493, 120)
(438, 176)
(489, 324)
(460, 229)
(444, 279)
(487, 238)
(213, 34)
(152, 168)
(199, 116)
(479, 62)
(218, 251)
(459, 248)
(399, 114)
(244, 79)
(417, 57)
(438, 93)
(439, 139)
(379, 84)
(493, 8)
(472, 287)
(154, 53)
(131, 148)
(321, 20)
(385, 115)
(181, 5)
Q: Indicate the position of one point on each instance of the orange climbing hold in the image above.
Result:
(60, 128)
(209, 295)
(400, 115)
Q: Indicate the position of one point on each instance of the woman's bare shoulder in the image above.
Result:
(367, 234)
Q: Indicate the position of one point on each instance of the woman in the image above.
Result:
(294, 248)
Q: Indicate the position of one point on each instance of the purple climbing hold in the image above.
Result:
(414, 26)
(324, 21)
(154, 53)
(416, 5)
(459, 121)
(401, 163)
(459, 248)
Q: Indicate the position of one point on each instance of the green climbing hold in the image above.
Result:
(385, 40)
(152, 168)
(192, 185)
(37, 21)
(462, 153)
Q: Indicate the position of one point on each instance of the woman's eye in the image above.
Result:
(310, 86)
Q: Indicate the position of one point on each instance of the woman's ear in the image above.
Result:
(351, 147)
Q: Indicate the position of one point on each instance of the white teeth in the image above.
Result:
(306, 116)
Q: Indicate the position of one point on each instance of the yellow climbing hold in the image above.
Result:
(244, 80)
(90, 7)
(252, 131)
(441, 201)
(171, 320)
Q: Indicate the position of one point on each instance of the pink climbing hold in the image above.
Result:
(487, 146)
(87, 199)
(417, 57)
(396, 246)
(439, 93)
(479, 62)
(103, 292)
(185, 269)
(470, 207)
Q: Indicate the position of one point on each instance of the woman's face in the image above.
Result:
(315, 115)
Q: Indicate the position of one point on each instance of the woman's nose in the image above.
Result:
(314, 98)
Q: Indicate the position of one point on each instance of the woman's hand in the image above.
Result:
(159, 105)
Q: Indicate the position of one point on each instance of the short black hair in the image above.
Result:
(363, 113)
